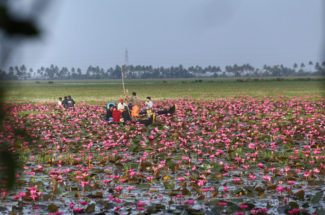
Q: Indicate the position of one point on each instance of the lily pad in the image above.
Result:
(317, 197)
(52, 208)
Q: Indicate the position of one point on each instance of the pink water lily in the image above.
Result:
(245, 147)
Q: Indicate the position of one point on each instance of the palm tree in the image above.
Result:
(31, 73)
(302, 65)
(295, 65)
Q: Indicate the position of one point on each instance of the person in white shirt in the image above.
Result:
(121, 106)
(60, 102)
(149, 103)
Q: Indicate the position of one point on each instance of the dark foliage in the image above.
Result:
(11, 27)
(148, 72)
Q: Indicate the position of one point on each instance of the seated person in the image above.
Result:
(171, 111)
(126, 118)
(116, 115)
(130, 106)
(109, 113)
(65, 102)
(60, 102)
(148, 121)
(121, 106)
(148, 103)
(70, 102)
(108, 104)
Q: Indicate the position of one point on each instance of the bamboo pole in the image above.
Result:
(123, 84)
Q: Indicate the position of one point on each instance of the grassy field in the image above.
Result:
(103, 90)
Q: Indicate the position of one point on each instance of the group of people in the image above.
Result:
(127, 110)
(67, 102)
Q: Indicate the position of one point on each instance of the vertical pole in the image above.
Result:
(123, 85)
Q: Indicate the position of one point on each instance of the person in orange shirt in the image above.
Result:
(135, 111)
(135, 105)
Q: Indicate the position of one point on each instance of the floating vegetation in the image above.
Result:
(239, 155)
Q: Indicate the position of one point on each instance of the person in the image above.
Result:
(121, 106)
(116, 115)
(135, 105)
(170, 111)
(65, 102)
(60, 102)
(70, 102)
(108, 104)
(135, 112)
(134, 99)
(148, 121)
(109, 113)
(148, 103)
(126, 118)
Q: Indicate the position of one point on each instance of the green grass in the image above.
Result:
(104, 90)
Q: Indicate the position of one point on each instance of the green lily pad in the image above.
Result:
(317, 197)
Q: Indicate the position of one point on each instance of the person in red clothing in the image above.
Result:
(116, 115)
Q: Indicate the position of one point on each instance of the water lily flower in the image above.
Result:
(222, 203)
(118, 188)
(77, 210)
(181, 179)
(280, 189)
(266, 177)
(190, 202)
(243, 206)
(252, 177)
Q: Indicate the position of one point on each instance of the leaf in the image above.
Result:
(169, 185)
(320, 211)
(90, 208)
(214, 194)
(232, 208)
(283, 209)
(200, 198)
(155, 208)
(260, 190)
(52, 208)
(293, 204)
(300, 195)
(143, 186)
(186, 192)
(184, 212)
(217, 210)
(263, 196)
(271, 187)
(249, 189)
(217, 175)
(317, 197)
(70, 194)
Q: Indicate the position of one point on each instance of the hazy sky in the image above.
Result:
(172, 32)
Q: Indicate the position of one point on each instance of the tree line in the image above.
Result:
(148, 72)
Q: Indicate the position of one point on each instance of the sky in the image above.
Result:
(173, 32)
